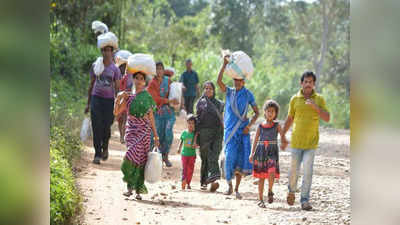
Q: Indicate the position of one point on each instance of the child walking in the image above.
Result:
(188, 152)
(265, 152)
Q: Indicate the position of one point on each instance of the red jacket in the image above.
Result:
(154, 90)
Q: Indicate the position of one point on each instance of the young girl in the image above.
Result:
(265, 152)
(188, 153)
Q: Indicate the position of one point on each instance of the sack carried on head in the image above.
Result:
(121, 57)
(240, 66)
(107, 39)
(141, 63)
(169, 71)
(99, 27)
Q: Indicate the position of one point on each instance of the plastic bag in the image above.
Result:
(240, 66)
(86, 130)
(98, 66)
(153, 167)
(141, 63)
(175, 92)
(99, 27)
(183, 114)
(107, 39)
(121, 57)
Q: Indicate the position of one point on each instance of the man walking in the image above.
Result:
(190, 80)
(305, 109)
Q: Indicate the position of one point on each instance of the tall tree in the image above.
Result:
(317, 22)
(231, 23)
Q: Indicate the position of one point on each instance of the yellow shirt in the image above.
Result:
(305, 134)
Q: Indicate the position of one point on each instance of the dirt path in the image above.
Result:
(101, 187)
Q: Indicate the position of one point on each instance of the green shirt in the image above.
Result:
(187, 139)
(305, 134)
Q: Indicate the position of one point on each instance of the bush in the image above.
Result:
(64, 197)
(338, 105)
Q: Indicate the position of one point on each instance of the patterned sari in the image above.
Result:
(137, 137)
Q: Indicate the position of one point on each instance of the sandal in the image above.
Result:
(229, 191)
(261, 204)
(127, 194)
(270, 197)
(203, 187)
(238, 196)
(290, 198)
(138, 197)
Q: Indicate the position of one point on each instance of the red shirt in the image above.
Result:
(154, 90)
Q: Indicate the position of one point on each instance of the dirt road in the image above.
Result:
(102, 187)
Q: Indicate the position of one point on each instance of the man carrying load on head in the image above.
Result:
(103, 86)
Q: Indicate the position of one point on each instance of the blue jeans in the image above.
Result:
(307, 157)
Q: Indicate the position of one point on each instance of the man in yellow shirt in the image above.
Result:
(305, 109)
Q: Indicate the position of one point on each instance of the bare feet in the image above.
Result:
(214, 186)
(183, 184)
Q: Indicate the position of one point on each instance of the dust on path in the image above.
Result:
(103, 203)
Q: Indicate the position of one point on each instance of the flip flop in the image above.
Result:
(270, 197)
(290, 198)
(261, 204)
(229, 191)
(238, 196)
(127, 194)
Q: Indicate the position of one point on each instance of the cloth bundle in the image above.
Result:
(107, 39)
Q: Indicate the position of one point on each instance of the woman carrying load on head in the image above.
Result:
(140, 124)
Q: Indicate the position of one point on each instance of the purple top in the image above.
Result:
(104, 84)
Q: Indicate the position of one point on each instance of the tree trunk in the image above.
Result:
(318, 63)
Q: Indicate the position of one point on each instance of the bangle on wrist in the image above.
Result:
(156, 138)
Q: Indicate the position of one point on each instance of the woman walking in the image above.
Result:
(138, 134)
(210, 132)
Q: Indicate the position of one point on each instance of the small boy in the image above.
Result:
(189, 152)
